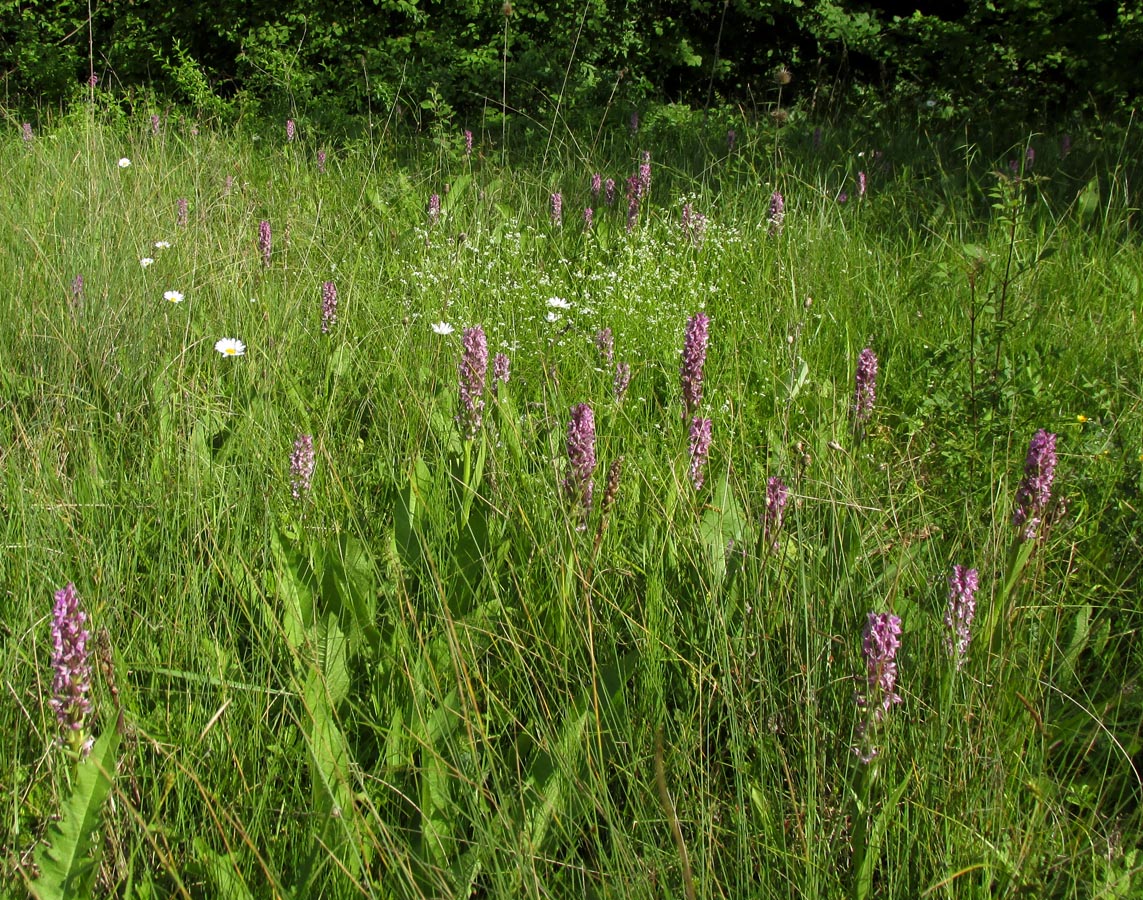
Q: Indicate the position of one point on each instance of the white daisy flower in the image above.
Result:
(146, 261)
(173, 296)
(442, 328)
(162, 245)
(230, 347)
(558, 303)
(124, 163)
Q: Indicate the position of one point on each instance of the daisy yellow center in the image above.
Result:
(229, 351)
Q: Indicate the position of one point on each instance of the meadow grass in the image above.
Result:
(433, 672)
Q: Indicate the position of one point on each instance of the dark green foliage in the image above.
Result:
(1026, 56)
(416, 61)
(39, 47)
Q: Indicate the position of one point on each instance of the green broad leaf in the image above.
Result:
(221, 870)
(333, 801)
(294, 583)
(1081, 631)
(508, 427)
(456, 193)
(975, 253)
(297, 402)
(494, 187)
(1120, 878)
(337, 364)
(210, 434)
(1088, 201)
(349, 589)
(442, 423)
(162, 401)
(1018, 555)
(198, 449)
(333, 659)
(436, 781)
(409, 514)
(480, 553)
(604, 234)
(872, 849)
(444, 721)
(475, 454)
(397, 753)
(67, 864)
(465, 872)
(759, 800)
(723, 528)
(1100, 637)
(796, 380)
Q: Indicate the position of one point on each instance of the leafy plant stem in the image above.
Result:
(972, 370)
(1018, 555)
(1001, 324)
(863, 815)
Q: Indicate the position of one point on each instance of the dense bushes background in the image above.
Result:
(420, 58)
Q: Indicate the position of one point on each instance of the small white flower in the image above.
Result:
(173, 296)
(162, 245)
(558, 303)
(253, 299)
(553, 316)
(442, 328)
(230, 347)
(146, 261)
(124, 163)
